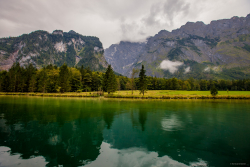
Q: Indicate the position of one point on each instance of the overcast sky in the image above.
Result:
(112, 20)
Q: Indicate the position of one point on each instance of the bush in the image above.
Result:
(213, 91)
(79, 90)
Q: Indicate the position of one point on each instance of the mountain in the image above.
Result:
(123, 55)
(220, 49)
(42, 48)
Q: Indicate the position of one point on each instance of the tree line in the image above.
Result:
(193, 84)
(52, 79)
(49, 79)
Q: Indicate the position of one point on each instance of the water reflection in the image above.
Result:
(136, 157)
(108, 116)
(59, 145)
(78, 132)
(7, 159)
(59, 140)
(142, 118)
(171, 123)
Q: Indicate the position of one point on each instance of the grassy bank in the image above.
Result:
(182, 92)
(152, 94)
(176, 94)
(68, 94)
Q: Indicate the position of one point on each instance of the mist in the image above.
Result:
(171, 66)
(187, 70)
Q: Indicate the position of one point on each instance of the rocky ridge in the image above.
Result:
(208, 51)
(41, 48)
(123, 55)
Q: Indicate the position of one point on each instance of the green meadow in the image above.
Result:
(150, 94)
(181, 92)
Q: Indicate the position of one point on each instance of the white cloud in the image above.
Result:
(135, 157)
(187, 70)
(172, 66)
(8, 159)
(171, 123)
(112, 21)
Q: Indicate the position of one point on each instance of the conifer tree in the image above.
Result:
(134, 72)
(30, 78)
(64, 79)
(109, 81)
(142, 80)
(75, 82)
(14, 76)
(5, 81)
(175, 85)
(42, 81)
(96, 81)
(32, 84)
(53, 77)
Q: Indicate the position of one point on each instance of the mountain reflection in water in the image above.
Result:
(95, 132)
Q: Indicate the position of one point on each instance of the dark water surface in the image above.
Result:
(125, 133)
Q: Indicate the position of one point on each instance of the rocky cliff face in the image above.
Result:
(123, 55)
(194, 50)
(42, 48)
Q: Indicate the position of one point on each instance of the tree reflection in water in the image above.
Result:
(76, 132)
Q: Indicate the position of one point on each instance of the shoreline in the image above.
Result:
(96, 95)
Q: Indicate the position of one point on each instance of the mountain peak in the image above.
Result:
(222, 46)
(72, 32)
(41, 48)
(60, 32)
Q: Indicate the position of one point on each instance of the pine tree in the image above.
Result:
(134, 72)
(96, 81)
(109, 81)
(32, 84)
(175, 84)
(5, 81)
(64, 79)
(14, 76)
(142, 80)
(31, 78)
(42, 81)
(75, 82)
(87, 79)
(53, 77)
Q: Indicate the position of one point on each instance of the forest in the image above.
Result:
(53, 79)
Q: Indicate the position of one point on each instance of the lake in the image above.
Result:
(37, 131)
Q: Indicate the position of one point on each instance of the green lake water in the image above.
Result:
(37, 131)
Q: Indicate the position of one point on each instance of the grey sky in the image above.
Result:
(112, 20)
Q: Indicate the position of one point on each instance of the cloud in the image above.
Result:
(171, 123)
(163, 13)
(136, 157)
(187, 70)
(112, 21)
(9, 159)
(176, 7)
(108, 157)
(152, 18)
(160, 16)
(172, 66)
